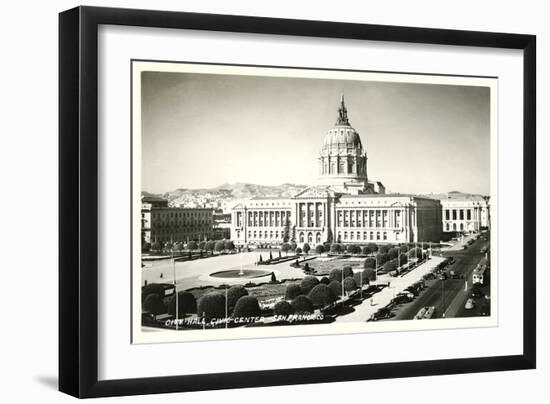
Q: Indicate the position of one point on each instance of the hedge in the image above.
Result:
(321, 295)
(360, 278)
(369, 263)
(247, 306)
(212, 305)
(186, 304)
(325, 280)
(302, 305)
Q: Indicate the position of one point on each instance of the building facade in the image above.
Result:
(159, 222)
(345, 206)
(464, 213)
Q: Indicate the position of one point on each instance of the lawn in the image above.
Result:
(323, 267)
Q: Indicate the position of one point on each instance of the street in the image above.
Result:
(448, 296)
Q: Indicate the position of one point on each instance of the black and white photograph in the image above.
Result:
(277, 201)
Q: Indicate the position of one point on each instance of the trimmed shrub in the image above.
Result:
(404, 249)
(319, 249)
(212, 305)
(369, 263)
(382, 258)
(370, 274)
(348, 271)
(393, 253)
(335, 275)
(336, 248)
(247, 306)
(308, 283)
(234, 293)
(390, 266)
(298, 250)
(324, 280)
(355, 249)
(372, 247)
(186, 304)
(192, 245)
(292, 290)
(306, 248)
(302, 305)
(403, 259)
(360, 278)
(283, 308)
(152, 288)
(153, 304)
(349, 284)
(383, 249)
(321, 295)
(336, 287)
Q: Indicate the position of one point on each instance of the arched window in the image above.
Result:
(301, 237)
(461, 226)
(447, 228)
(345, 235)
(454, 226)
(318, 238)
(310, 238)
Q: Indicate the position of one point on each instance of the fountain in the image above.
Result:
(241, 273)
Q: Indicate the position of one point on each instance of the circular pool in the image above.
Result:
(241, 274)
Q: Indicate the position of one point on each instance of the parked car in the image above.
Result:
(470, 304)
(477, 292)
(429, 313)
(381, 314)
(400, 299)
(443, 276)
(420, 314)
(455, 275)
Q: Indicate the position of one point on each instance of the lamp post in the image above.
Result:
(175, 286)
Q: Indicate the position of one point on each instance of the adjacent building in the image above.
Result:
(159, 222)
(463, 213)
(345, 206)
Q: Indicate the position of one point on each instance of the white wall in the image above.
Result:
(28, 163)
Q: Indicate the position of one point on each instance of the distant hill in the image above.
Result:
(226, 193)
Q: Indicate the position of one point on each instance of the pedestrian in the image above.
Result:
(161, 275)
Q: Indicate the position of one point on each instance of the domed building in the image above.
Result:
(343, 160)
(344, 207)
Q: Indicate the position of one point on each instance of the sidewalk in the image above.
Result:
(364, 310)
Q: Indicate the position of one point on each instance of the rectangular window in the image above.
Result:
(454, 214)
(461, 214)
(468, 214)
(447, 214)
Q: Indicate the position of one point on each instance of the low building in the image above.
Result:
(160, 222)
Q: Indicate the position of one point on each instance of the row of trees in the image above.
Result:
(210, 246)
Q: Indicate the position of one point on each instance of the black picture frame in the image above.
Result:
(78, 200)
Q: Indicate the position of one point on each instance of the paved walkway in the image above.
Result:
(196, 273)
(364, 310)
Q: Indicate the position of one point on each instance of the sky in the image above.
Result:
(204, 130)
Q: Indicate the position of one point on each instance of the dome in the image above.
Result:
(342, 137)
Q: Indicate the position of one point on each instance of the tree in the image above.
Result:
(403, 248)
(145, 246)
(382, 258)
(153, 304)
(152, 288)
(383, 249)
(403, 259)
(335, 275)
(247, 306)
(211, 305)
(157, 246)
(229, 245)
(360, 278)
(365, 250)
(285, 247)
(293, 246)
(302, 305)
(308, 283)
(270, 256)
(319, 249)
(219, 246)
(286, 231)
(209, 246)
(283, 308)
(347, 271)
(390, 266)
(393, 253)
(370, 274)
(306, 248)
(202, 245)
(372, 247)
(186, 304)
(273, 277)
(321, 295)
(369, 263)
(298, 250)
(192, 245)
(336, 287)
(349, 284)
(292, 290)
(234, 293)
(336, 248)
(355, 249)
(325, 280)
